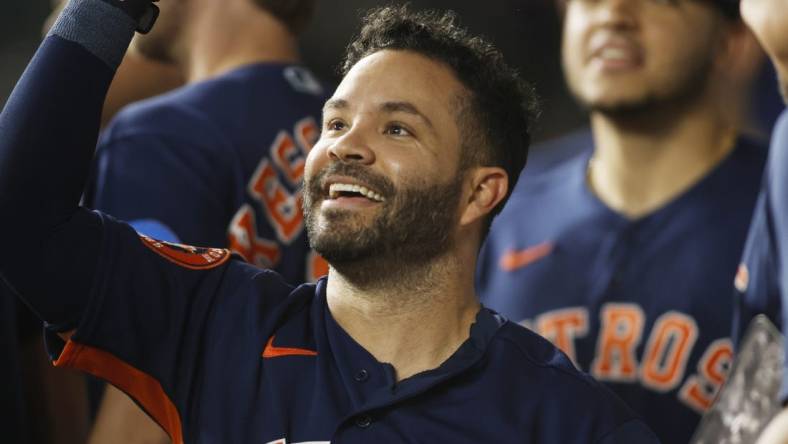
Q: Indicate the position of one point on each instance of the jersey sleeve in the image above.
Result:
(48, 131)
(629, 432)
(778, 201)
(756, 289)
(173, 183)
(162, 318)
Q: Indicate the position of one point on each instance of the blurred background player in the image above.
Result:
(762, 280)
(219, 161)
(624, 257)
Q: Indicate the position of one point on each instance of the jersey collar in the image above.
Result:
(370, 383)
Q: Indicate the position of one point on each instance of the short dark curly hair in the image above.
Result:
(295, 14)
(500, 107)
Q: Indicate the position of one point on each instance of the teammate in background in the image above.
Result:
(762, 282)
(623, 256)
(138, 78)
(417, 148)
(218, 162)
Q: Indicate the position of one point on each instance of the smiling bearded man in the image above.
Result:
(409, 231)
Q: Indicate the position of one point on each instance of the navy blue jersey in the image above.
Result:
(219, 163)
(219, 351)
(762, 276)
(13, 418)
(546, 155)
(642, 305)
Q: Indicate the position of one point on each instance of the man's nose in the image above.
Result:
(352, 148)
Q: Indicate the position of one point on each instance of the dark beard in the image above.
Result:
(412, 228)
(690, 88)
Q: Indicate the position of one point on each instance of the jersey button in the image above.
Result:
(362, 375)
(363, 421)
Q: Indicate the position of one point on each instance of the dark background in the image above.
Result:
(527, 31)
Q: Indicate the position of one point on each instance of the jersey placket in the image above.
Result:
(372, 386)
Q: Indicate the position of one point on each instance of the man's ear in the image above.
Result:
(742, 56)
(738, 65)
(488, 186)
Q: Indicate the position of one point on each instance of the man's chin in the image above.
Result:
(339, 251)
(149, 47)
(618, 106)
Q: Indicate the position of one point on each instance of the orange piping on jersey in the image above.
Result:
(139, 385)
(270, 351)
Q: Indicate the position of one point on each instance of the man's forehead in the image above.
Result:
(402, 73)
(394, 80)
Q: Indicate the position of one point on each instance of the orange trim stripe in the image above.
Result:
(139, 385)
(270, 351)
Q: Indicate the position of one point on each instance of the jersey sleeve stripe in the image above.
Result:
(142, 387)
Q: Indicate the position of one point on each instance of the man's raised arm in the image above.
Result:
(48, 132)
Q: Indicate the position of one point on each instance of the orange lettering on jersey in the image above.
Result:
(317, 267)
(282, 208)
(561, 327)
(307, 132)
(700, 390)
(243, 240)
(665, 359)
(187, 256)
(620, 334)
(288, 158)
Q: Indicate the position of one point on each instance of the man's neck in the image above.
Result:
(414, 324)
(231, 35)
(642, 163)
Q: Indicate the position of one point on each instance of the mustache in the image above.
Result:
(380, 184)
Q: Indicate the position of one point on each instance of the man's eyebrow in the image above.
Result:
(406, 107)
(387, 107)
(335, 104)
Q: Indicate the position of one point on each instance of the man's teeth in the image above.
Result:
(615, 54)
(336, 188)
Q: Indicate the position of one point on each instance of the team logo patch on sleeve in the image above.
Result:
(196, 258)
(742, 280)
